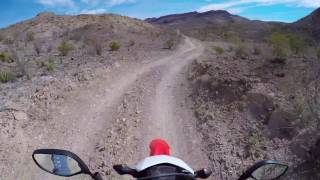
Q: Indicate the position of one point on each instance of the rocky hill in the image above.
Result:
(310, 24)
(48, 29)
(45, 59)
(27, 47)
(221, 24)
(216, 24)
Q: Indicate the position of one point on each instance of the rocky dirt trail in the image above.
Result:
(114, 119)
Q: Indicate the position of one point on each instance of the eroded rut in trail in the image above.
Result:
(114, 120)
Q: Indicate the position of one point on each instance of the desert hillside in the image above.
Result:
(255, 90)
(221, 24)
(46, 60)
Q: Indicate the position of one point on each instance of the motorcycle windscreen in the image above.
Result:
(169, 177)
(166, 172)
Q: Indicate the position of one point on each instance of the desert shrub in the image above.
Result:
(280, 54)
(29, 36)
(241, 51)
(280, 47)
(296, 43)
(114, 46)
(169, 44)
(6, 77)
(279, 39)
(256, 144)
(50, 65)
(6, 57)
(232, 37)
(219, 50)
(65, 47)
(8, 41)
(256, 51)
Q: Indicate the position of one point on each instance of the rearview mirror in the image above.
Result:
(203, 173)
(124, 169)
(265, 170)
(59, 162)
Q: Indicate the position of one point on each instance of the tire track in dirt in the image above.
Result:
(80, 122)
(171, 119)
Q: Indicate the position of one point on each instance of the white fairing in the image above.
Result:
(161, 159)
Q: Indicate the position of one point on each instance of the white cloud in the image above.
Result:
(93, 2)
(236, 4)
(86, 1)
(118, 2)
(219, 6)
(56, 3)
(236, 10)
(310, 3)
(93, 11)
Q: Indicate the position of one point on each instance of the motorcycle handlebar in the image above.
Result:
(97, 176)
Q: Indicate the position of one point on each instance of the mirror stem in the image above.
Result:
(97, 176)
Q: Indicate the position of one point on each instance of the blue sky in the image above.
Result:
(13, 11)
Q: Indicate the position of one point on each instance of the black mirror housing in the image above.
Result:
(262, 168)
(203, 173)
(124, 169)
(83, 169)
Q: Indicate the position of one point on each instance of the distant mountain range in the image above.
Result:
(211, 25)
(221, 24)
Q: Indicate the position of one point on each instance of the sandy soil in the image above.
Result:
(113, 120)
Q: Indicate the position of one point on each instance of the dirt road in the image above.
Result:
(114, 119)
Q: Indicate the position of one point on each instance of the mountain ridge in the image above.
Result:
(214, 24)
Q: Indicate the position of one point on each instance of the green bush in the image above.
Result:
(64, 48)
(50, 65)
(241, 51)
(280, 54)
(6, 77)
(169, 44)
(279, 39)
(6, 57)
(114, 46)
(29, 36)
(257, 51)
(318, 53)
(296, 43)
(219, 50)
(280, 43)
